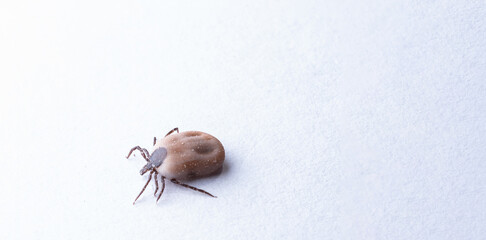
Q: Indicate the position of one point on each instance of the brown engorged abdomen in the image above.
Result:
(191, 154)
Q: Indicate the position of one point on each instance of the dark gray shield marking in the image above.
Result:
(158, 156)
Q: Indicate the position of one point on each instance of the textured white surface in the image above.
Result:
(341, 119)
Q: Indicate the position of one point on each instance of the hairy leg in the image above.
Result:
(143, 189)
(171, 131)
(156, 183)
(163, 187)
(143, 151)
(191, 187)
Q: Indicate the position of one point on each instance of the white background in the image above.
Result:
(340, 119)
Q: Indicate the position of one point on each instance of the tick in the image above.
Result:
(180, 156)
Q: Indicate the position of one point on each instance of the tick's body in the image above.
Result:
(190, 154)
(183, 155)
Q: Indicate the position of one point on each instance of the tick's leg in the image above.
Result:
(156, 183)
(191, 187)
(143, 151)
(163, 186)
(155, 140)
(173, 130)
(146, 153)
(150, 178)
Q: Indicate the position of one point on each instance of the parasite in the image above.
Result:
(181, 156)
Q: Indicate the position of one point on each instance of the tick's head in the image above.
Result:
(156, 159)
(146, 168)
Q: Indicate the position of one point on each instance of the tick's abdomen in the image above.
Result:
(190, 154)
